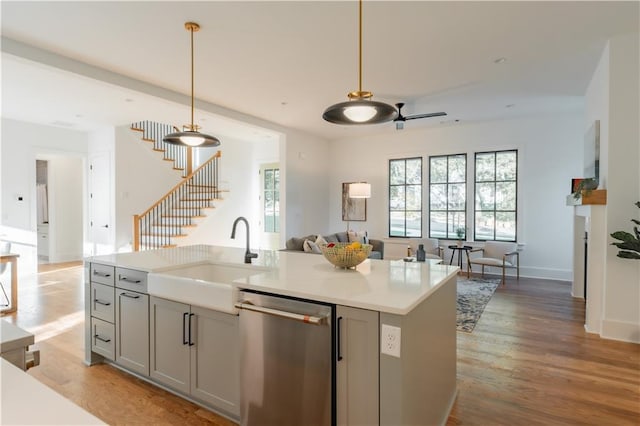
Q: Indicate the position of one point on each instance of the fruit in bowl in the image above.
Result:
(346, 255)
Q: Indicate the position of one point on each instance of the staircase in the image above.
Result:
(176, 213)
(154, 132)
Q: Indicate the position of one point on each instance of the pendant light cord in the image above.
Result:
(192, 101)
(360, 47)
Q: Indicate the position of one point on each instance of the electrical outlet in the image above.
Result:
(390, 340)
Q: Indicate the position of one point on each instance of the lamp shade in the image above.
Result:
(191, 138)
(359, 190)
(360, 111)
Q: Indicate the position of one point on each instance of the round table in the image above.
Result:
(460, 250)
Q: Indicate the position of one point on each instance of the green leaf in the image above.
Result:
(623, 236)
(628, 245)
(628, 255)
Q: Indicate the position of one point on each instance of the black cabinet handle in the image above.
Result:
(190, 341)
(102, 339)
(130, 296)
(100, 302)
(339, 334)
(100, 274)
(121, 278)
(184, 326)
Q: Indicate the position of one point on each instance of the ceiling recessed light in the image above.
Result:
(500, 61)
(79, 115)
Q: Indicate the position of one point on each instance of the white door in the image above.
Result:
(100, 223)
(270, 206)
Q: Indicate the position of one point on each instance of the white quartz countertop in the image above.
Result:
(387, 286)
(26, 401)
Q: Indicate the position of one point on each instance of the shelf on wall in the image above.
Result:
(596, 196)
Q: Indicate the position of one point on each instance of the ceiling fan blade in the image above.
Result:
(433, 114)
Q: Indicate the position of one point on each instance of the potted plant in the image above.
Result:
(460, 232)
(629, 244)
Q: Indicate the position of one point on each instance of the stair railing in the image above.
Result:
(165, 219)
(154, 132)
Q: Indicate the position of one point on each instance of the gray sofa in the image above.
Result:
(296, 244)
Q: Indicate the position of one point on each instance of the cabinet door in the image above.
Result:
(215, 363)
(357, 366)
(170, 343)
(132, 330)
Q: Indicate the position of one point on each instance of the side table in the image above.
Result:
(460, 250)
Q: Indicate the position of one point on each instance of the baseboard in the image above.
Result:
(620, 330)
(529, 272)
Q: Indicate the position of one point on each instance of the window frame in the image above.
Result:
(389, 185)
(447, 183)
(495, 181)
(274, 168)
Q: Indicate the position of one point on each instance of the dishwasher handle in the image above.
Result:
(309, 319)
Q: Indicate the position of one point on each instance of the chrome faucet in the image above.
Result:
(247, 255)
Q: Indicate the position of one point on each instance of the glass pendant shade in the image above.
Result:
(191, 138)
(360, 111)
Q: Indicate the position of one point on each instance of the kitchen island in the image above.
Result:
(382, 376)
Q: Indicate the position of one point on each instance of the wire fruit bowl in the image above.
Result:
(346, 255)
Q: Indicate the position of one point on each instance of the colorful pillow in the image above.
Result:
(310, 247)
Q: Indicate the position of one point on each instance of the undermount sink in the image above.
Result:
(208, 285)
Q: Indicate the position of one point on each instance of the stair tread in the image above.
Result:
(163, 235)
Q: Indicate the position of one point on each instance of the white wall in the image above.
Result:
(549, 152)
(20, 145)
(613, 98)
(306, 168)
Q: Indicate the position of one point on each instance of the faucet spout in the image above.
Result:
(247, 255)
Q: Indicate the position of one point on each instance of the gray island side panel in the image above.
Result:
(419, 388)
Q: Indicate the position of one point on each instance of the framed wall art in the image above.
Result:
(353, 209)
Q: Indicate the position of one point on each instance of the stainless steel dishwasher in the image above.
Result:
(287, 371)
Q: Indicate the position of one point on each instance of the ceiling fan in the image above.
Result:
(400, 119)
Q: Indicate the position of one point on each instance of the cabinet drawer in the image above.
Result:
(103, 338)
(102, 298)
(130, 279)
(102, 274)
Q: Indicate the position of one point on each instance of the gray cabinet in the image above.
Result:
(132, 320)
(357, 366)
(170, 350)
(195, 351)
(215, 359)
(100, 296)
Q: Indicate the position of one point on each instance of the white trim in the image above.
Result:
(620, 330)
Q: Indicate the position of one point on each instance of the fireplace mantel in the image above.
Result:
(595, 197)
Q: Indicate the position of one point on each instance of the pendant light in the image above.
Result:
(360, 109)
(190, 136)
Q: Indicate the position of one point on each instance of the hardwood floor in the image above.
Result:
(528, 361)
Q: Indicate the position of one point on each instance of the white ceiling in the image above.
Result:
(285, 62)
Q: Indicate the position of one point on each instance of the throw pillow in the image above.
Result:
(310, 247)
(360, 237)
(320, 240)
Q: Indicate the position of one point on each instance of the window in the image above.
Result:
(405, 197)
(447, 195)
(271, 197)
(496, 195)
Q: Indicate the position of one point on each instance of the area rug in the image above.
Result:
(473, 296)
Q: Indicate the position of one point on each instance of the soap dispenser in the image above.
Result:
(420, 255)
